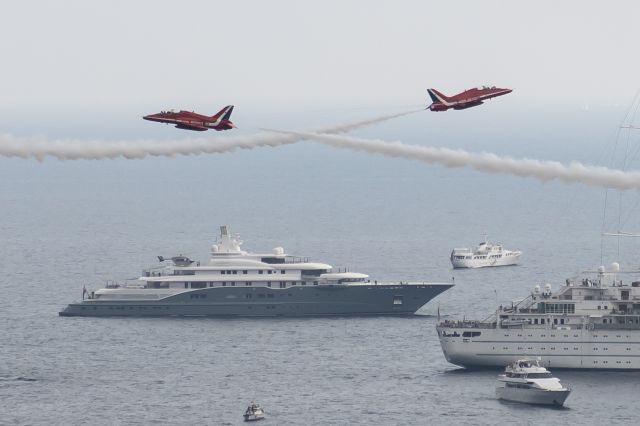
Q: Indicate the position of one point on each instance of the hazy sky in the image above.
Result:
(77, 53)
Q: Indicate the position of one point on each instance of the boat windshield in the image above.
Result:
(546, 375)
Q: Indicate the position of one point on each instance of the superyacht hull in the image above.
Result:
(612, 349)
(322, 300)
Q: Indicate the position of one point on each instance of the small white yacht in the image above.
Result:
(254, 412)
(525, 380)
(485, 254)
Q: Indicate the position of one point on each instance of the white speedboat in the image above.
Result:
(254, 412)
(485, 254)
(525, 380)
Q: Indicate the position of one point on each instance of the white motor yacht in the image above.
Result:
(485, 254)
(525, 380)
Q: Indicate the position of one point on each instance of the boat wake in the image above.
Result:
(17, 379)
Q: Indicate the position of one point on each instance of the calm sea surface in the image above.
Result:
(68, 224)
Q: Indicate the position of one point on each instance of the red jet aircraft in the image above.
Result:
(192, 121)
(467, 99)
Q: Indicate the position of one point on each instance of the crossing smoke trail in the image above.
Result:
(40, 148)
(485, 162)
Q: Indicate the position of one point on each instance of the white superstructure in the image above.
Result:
(525, 380)
(485, 254)
(228, 266)
(586, 323)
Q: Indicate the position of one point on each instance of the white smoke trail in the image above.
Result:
(40, 148)
(485, 162)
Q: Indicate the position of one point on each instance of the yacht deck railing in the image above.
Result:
(466, 324)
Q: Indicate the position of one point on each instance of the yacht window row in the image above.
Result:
(558, 308)
(530, 375)
(461, 257)
(227, 272)
(542, 321)
(205, 284)
(246, 271)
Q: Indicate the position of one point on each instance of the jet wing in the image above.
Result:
(191, 127)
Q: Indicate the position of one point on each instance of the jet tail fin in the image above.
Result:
(432, 95)
(227, 115)
(437, 97)
(224, 113)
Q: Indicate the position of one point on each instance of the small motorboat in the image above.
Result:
(525, 380)
(254, 412)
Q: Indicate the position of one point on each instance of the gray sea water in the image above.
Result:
(68, 224)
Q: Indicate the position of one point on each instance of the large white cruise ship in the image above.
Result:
(238, 283)
(591, 324)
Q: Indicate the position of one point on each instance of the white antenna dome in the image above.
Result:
(214, 248)
(615, 267)
(536, 289)
(601, 269)
(547, 288)
(278, 251)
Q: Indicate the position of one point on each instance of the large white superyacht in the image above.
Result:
(239, 283)
(590, 324)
